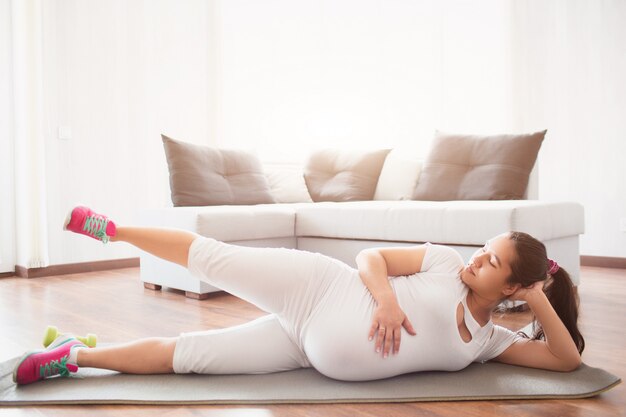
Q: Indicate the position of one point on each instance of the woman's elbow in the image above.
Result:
(571, 365)
(577, 363)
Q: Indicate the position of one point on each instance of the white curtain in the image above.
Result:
(7, 235)
(24, 212)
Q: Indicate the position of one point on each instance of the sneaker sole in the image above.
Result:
(69, 214)
(68, 218)
(32, 352)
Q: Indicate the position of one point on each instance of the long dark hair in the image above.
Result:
(530, 265)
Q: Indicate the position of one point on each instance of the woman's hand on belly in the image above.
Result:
(388, 319)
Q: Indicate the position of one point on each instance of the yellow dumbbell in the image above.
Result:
(52, 333)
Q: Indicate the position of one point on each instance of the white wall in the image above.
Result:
(296, 75)
(7, 235)
(120, 73)
(285, 76)
(302, 74)
(570, 61)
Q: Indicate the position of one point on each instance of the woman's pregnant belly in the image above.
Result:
(336, 338)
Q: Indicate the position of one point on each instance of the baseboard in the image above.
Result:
(75, 268)
(603, 261)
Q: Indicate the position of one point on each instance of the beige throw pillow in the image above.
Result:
(286, 183)
(473, 167)
(398, 176)
(343, 175)
(208, 176)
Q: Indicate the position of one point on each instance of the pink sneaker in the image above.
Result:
(85, 221)
(45, 363)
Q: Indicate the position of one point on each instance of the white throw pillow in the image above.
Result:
(399, 176)
(287, 183)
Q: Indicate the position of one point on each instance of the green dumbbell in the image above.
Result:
(52, 333)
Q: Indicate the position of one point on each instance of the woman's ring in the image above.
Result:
(382, 329)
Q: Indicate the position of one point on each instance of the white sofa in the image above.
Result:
(342, 229)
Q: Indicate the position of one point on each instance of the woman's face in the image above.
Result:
(489, 267)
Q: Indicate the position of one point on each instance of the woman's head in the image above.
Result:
(516, 260)
(489, 269)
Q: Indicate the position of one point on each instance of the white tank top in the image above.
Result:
(432, 296)
(335, 339)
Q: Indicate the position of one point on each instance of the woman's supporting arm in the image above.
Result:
(388, 317)
(373, 272)
(558, 352)
(376, 265)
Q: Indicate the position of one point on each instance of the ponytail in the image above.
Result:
(563, 297)
(530, 265)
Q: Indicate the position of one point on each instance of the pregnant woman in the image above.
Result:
(342, 321)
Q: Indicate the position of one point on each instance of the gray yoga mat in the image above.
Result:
(488, 381)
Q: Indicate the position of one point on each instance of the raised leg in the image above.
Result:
(166, 243)
(270, 278)
(277, 280)
(286, 281)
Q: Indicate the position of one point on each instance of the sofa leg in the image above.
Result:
(197, 296)
(154, 287)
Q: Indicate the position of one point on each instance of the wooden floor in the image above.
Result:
(115, 306)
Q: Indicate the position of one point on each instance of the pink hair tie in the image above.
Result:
(552, 266)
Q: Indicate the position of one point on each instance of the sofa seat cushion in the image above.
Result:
(261, 221)
(226, 223)
(469, 222)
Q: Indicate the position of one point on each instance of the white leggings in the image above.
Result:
(290, 284)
